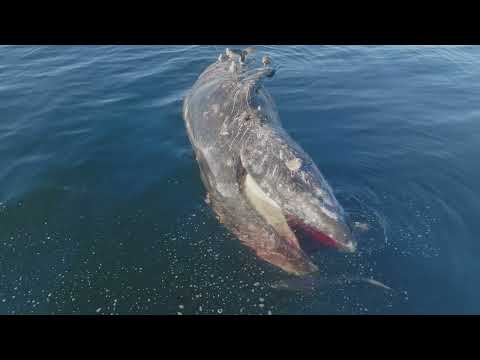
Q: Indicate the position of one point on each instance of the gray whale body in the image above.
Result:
(260, 183)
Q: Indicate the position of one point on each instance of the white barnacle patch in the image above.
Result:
(294, 164)
(233, 67)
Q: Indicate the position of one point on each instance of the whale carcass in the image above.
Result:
(260, 183)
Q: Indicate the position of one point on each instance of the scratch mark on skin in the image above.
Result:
(274, 171)
(237, 90)
(224, 128)
(243, 135)
(235, 137)
(240, 121)
(243, 127)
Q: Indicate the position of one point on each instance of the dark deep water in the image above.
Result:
(101, 203)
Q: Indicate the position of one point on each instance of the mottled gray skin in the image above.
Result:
(235, 131)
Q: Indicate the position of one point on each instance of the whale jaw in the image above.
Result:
(299, 238)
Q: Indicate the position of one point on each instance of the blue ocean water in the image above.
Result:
(101, 203)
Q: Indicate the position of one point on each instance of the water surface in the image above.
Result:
(101, 203)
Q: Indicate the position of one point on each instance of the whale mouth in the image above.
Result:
(296, 231)
(312, 239)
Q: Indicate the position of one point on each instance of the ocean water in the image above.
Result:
(102, 209)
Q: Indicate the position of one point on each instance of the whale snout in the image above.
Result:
(347, 244)
(334, 234)
(344, 239)
(350, 246)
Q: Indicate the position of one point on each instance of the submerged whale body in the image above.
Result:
(262, 186)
